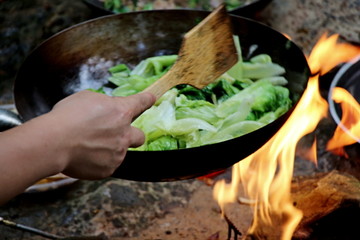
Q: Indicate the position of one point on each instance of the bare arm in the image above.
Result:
(85, 136)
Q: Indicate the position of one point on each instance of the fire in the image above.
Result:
(264, 178)
(327, 53)
(348, 130)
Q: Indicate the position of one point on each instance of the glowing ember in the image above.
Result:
(264, 178)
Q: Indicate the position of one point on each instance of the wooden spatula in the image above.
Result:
(207, 51)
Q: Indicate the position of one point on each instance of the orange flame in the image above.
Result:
(328, 52)
(348, 130)
(266, 175)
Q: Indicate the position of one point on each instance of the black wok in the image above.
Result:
(51, 72)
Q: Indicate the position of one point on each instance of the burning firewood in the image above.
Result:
(330, 204)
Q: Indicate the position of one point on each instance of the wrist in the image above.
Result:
(54, 139)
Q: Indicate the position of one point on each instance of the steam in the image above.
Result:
(92, 74)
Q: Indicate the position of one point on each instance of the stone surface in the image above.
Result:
(199, 219)
(306, 20)
(112, 207)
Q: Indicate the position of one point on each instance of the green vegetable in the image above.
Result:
(247, 97)
(120, 69)
(143, 75)
(236, 71)
(163, 143)
(261, 70)
(200, 109)
(153, 66)
(121, 6)
(100, 90)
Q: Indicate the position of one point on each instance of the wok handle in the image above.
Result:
(8, 119)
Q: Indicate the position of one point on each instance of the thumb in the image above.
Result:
(139, 102)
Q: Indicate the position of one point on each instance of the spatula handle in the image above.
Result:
(162, 85)
(206, 52)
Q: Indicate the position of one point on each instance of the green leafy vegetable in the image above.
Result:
(143, 75)
(121, 6)
(163, 143)
(247, 97)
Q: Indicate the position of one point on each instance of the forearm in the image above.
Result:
(85, 136)
(29, 153)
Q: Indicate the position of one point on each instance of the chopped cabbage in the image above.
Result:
(245, 98)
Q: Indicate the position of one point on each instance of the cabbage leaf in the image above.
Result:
(250, 95)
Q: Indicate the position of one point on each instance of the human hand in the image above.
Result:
(94, 131)
(85, 136)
